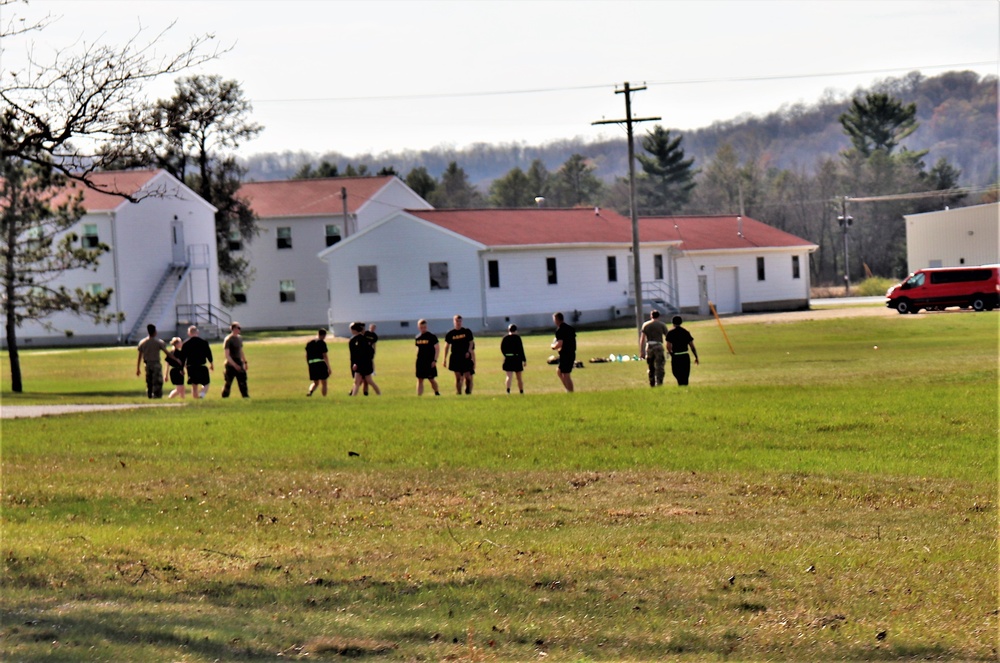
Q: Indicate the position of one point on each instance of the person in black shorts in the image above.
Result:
(427, 355)
(175, 360)
(514, 359)
(372, 339)
(362, 359)
(196, 353)
(565, 344)
(462, 345)
(319, 363)
(679, 343)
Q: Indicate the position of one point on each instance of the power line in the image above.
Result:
(573, 88)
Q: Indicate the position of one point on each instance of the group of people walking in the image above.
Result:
(194, 356)
(459, 357)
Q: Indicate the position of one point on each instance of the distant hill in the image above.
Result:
(957, 112)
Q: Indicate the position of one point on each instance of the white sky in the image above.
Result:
(390, 76)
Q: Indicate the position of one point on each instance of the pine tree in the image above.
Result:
(667, 179)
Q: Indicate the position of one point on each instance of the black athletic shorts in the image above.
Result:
(566, 363)
(317, 371)
(198, 375)
(426, 371)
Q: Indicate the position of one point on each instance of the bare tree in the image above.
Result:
(84, 108)
(59, 121)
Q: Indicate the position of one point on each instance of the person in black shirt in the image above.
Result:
(196, 353)
(175, 360)
(372, 339)
(565, 344)
(678, 342)
(362, 364)
(514, 359)
(462, 344)
(427, 355)
(318, 362)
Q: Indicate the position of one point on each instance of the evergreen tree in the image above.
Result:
(422, 182)
(512, 190)
(878, 123)
(455, 191)
(575, 184)
(538, 179)
(325, 169)
(665, 185)
(206, 117)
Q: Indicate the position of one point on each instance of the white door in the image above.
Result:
(703, 295)
(727, 291)
(179, 248)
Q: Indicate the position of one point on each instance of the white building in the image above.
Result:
(496, 266)
(161, 265)
(299, 218)
(739, 264)
(953, 237)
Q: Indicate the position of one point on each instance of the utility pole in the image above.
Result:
(627, 90)
(845, 220)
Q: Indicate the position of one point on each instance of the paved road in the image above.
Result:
(27, 411)
(842, 301)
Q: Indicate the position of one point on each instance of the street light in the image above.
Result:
(845, 220)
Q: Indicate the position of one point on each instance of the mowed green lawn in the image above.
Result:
(807, 498)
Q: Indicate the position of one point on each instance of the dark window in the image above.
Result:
(239, 294)
(286, 291)
(658, 267)
(90, 239)
(235, 241)
(961, 276)
(612, 268)
(332, 235)
(439, 275)
(284, 238)
(367, 278)
(550, 270)
(493, 267)
(795, 267)
(760, 268)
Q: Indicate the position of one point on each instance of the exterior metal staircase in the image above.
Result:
(656, 294)
(212, 321)
(160, 302)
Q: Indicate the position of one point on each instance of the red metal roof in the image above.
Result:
(532, 226)
(126, 182)
(705, 233)
(311, 197)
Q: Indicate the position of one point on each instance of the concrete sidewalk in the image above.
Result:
(30, 411)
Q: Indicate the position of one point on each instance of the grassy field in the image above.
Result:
(807, 498)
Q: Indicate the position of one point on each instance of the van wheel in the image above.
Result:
(978, 303)
(903, 307)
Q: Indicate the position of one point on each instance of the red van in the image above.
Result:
(937, 288)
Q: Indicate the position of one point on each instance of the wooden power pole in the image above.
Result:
(627, 90)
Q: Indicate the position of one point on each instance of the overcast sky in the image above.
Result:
(390, 76)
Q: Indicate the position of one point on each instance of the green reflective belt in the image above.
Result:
(681, 353)
(315, 361)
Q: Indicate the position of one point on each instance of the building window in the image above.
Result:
(493, 266)
(439, 275)
(550, 270)
(34, 238)
(367, 278)
(795, 267)
(760, 268)
(95, 289)
(284, 238)
(658, 267)
(286, 291)
(90, 239)
(235, 240)
(332, 235)
(612, 269)
(239, 293)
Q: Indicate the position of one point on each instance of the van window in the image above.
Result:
(915, 281)
(960, 276)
